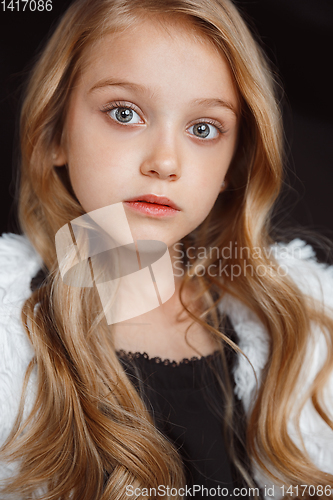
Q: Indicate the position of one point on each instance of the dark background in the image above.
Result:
(298, 37)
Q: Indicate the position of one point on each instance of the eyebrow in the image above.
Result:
(214, 103)
(209, 102)
(109, 82)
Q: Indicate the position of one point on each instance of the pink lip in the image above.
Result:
(150, 204)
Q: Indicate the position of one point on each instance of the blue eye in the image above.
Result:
(204, 130)
(124, 115)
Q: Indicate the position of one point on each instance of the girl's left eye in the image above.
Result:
(123, 114)
(204, 130)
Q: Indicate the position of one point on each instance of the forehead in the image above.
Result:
(158, 52)
(177, 25)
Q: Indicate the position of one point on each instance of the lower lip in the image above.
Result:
(152, 209)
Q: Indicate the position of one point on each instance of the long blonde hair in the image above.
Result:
(88, 421)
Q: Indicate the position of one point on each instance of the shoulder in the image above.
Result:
(296, 259)
(19, 262)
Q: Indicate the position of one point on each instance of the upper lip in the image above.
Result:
(153, 198)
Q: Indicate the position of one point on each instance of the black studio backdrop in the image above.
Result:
(298, 37)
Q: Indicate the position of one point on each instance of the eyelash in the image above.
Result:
(118, 104)
(213, 123)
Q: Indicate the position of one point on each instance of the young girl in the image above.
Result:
(159, 118)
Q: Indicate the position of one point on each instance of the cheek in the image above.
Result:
(209, 167)
(97, 148)
(96, 167)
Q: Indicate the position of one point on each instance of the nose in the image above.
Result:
(162, 159)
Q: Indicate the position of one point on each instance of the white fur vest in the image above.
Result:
(19, 263)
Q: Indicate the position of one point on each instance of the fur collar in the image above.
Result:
(19, 262)
(315, 280)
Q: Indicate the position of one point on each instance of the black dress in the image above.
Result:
(179, 396)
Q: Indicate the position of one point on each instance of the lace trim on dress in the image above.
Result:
(130, 356)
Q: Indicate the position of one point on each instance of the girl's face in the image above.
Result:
(154, 112)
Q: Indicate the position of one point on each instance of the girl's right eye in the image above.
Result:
(124, 115)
